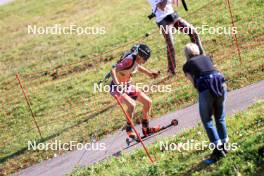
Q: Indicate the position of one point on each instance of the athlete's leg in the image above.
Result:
(167, 34)
(131, 105)
(147, 103)
(187, 28)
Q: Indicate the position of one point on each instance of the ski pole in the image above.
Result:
(133, 127)
(185, 5)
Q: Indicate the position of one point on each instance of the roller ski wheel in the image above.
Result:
(135, 140)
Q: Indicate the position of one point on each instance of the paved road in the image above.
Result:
(188, 118)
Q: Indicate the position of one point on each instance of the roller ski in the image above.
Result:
(147, 131)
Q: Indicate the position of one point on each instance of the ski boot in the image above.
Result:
(130, 132)
(131, 135)
(146, 130)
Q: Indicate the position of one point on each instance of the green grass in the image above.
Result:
(66, 108)
(247, 137)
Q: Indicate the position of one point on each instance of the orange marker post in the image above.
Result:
(133, 127)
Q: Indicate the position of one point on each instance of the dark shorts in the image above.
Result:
(130, 90)
(169, 19)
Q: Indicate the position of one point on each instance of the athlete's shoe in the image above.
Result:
(130, 132)
(225, 148)
(217, 155)
(170, 74)
(131, 135)
(150, 130)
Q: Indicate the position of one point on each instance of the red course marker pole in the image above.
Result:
(235, 35)
(27, 100)
(132, 124)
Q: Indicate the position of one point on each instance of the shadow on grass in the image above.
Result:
(24, 149)
(258, 161)
(196, 168)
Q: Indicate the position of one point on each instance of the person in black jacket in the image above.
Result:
(210, 84)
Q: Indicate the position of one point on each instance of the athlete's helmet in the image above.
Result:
(142, 50)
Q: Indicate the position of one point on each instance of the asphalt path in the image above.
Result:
(237, 100)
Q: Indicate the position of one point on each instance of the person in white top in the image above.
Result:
(166, 18)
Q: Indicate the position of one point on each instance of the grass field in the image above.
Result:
(246, 132)
(66, 108)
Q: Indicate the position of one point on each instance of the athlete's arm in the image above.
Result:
(161, 5)
(147, 72)
(113, 73)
